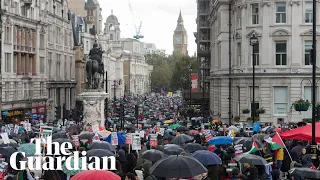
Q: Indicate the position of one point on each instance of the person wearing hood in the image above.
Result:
(307, 162)
(123, 160)
(132, 162)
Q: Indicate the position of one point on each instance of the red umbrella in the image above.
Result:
(211, 148)
(95, 175)
(303, 133)
(193, 132)
(100, 129)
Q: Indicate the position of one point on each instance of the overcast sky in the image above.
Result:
(159, 19)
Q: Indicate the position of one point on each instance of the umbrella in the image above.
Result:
(192, 147)
(177, 167)
(86, 135)
(73, 171)
(174, 126)
(59, 135)
(234, 128)
(153, 155)
(121, 139)
(259, 136)
(219, 140)
(6, 152)
(28, 148)
(306, 173)
(14, 145)
(182, 128)
(172, 150)
(181, 138)
(207, 157)
(11, 141)
(251, 159)
(193, 132)
(95, 175)
(102, 145)
(247, 142)
(99, 153)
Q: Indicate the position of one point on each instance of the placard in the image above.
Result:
(128, 138)
(136, 142)
(142, 134)
(5, 138)
(161, 132)
(16, 129)
(95, 137)
(75, 139)
(114, 138)
(153, 140)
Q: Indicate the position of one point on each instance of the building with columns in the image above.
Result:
(282, 66)
(60, 55)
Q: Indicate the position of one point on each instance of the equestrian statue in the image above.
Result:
(95, 67)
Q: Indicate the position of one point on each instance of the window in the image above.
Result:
(24, 11)
(16, 8)
(239, 53)
(256, 94)
(31, 90)
(15, 35)
(25, 90)
(15, 91)
(71, 68)
(281, 53)
(239, 18)
(280, 100)
(65, 67)
(219, 55)
(41, 89)
(7, 35)
(307, 51)
(65, 38)
(255, 13)
(42, 68)
(42, 45)
(256, 55)
(14, 63)
(308, 9)
(58, 67)
(238, 100)
(281, 13)
(87, 45)
(7, 57)
(30, 64)
(49, 63)
(50, 33)
(23, 37)
(23, 64)
(7, 91)
(111, 37)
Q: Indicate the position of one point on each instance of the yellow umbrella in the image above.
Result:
(168, 122)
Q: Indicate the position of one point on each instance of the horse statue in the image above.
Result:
(95, 67)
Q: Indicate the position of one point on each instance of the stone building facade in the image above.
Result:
(283, 66)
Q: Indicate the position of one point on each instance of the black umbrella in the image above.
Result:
(181, 139)
(259, 136)
(86, 135)
(305, 173)
(99, 153)
(73, 129)
(153, 155)
(59, 135)
(14, 145)
(6, 152)
(251, 159)
(192, 147)
(247, 142)
(182, 128)
(173, 150)
(102, 145)
(177, 167)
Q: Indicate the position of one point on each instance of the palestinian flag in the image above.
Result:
(277, 142)
(254, 148)
(46, 130)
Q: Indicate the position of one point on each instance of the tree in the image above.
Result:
(181, 75)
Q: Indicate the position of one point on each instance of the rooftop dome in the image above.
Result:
(112, 19)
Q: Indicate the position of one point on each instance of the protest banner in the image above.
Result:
(129, 138)
(153, 140)
(114, 138)
(136, 142)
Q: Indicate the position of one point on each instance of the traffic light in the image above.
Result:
(58, 112)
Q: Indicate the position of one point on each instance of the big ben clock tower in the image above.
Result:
(180, 38)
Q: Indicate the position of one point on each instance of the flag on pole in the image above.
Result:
(254, 147)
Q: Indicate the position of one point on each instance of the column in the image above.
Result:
(19, 53)
(34, 39)
(296, 53)
(34, 65)
(265, 39)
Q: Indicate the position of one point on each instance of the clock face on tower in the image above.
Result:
(178, 40)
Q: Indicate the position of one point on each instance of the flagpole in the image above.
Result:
(284, 146)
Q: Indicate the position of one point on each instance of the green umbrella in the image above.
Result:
(207, 124)
(72, 172)
(174, 126)
(28, 148)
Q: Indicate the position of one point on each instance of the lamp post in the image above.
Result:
(190, 70)
(253, 42)
(314, 68)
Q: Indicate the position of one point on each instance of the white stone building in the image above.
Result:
(282, 57)
(114, 63)
(60, 55)
(23, 61)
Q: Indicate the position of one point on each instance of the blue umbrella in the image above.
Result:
(207, 157)
(121, 139)
(219, 140)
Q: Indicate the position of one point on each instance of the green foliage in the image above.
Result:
(168, 71)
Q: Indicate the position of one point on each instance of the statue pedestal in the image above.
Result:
(93, 107)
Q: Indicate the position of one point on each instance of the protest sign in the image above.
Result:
(128, 138)
(114, 138)
(136, 142)
(153, 140)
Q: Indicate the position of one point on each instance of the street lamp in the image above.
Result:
(190, 70)
(253, 42)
